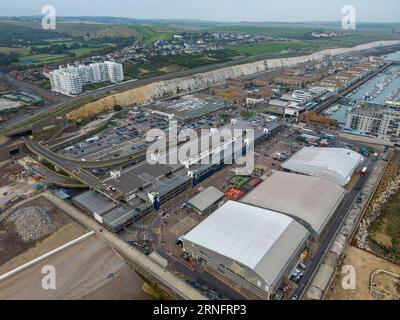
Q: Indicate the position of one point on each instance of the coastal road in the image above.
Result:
(332, 230)
(65, 100)
(143, 264)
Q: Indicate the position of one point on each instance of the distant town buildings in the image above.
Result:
(71, 79)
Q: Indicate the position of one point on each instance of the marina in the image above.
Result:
(378, 89)
(383, 89)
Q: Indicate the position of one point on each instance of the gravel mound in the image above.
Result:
(32, 223)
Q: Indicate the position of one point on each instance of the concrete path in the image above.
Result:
(163, 276)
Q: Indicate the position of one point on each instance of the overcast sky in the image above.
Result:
(216, 10)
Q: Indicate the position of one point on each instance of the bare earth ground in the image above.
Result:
(14, 251)
(7, 170)
(65, 234)
(88, 270)
(365, 263)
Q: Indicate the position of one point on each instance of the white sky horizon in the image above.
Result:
(383, 11)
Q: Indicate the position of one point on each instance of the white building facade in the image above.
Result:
(384, 123)
(71, 79)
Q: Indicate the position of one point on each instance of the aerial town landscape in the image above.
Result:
(198, 159)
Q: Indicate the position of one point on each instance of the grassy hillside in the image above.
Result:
(286, 32)
(148, 34)
(360, 35)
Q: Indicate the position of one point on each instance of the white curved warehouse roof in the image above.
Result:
(260, 239)
(310, 201)
(334, 164)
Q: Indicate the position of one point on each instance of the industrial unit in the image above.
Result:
(188, 107)
(206, 200)
(251, 246)
(144, 188)
(334, 164)
(313, 201)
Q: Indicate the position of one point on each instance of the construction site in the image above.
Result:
(87, 269)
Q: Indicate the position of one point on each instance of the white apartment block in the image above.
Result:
(382, 122)
(71, 79)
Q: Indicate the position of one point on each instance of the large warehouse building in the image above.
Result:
(251, 246)
(334, 164)
(310, 201)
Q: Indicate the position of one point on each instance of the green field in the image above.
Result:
(271, 47)
(41, 58)
(149, 35)
(289, 32)
(22, 51)
(59, 40)
(146, 69)
(79, 53)
(387, 228)
(25, 56)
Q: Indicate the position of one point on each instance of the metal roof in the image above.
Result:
(94, 202)
(334, 164)
(138, 176)
(310, 201)
(262, 240)
(205, 199)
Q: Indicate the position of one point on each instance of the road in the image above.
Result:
(10, 124)
(204, 278)
(71, 163)
(142, 263)
(332, 230)
(62, 163)
(33, 89)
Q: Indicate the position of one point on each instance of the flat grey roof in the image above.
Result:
(140, 175)
(94, 202)
(278, 103)
(156, 171)
(127, 183)
(191, 106)
(119, 216)
(309, 200)
(205, 199)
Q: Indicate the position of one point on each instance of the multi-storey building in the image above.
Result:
(71, 79)
(382, 122)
